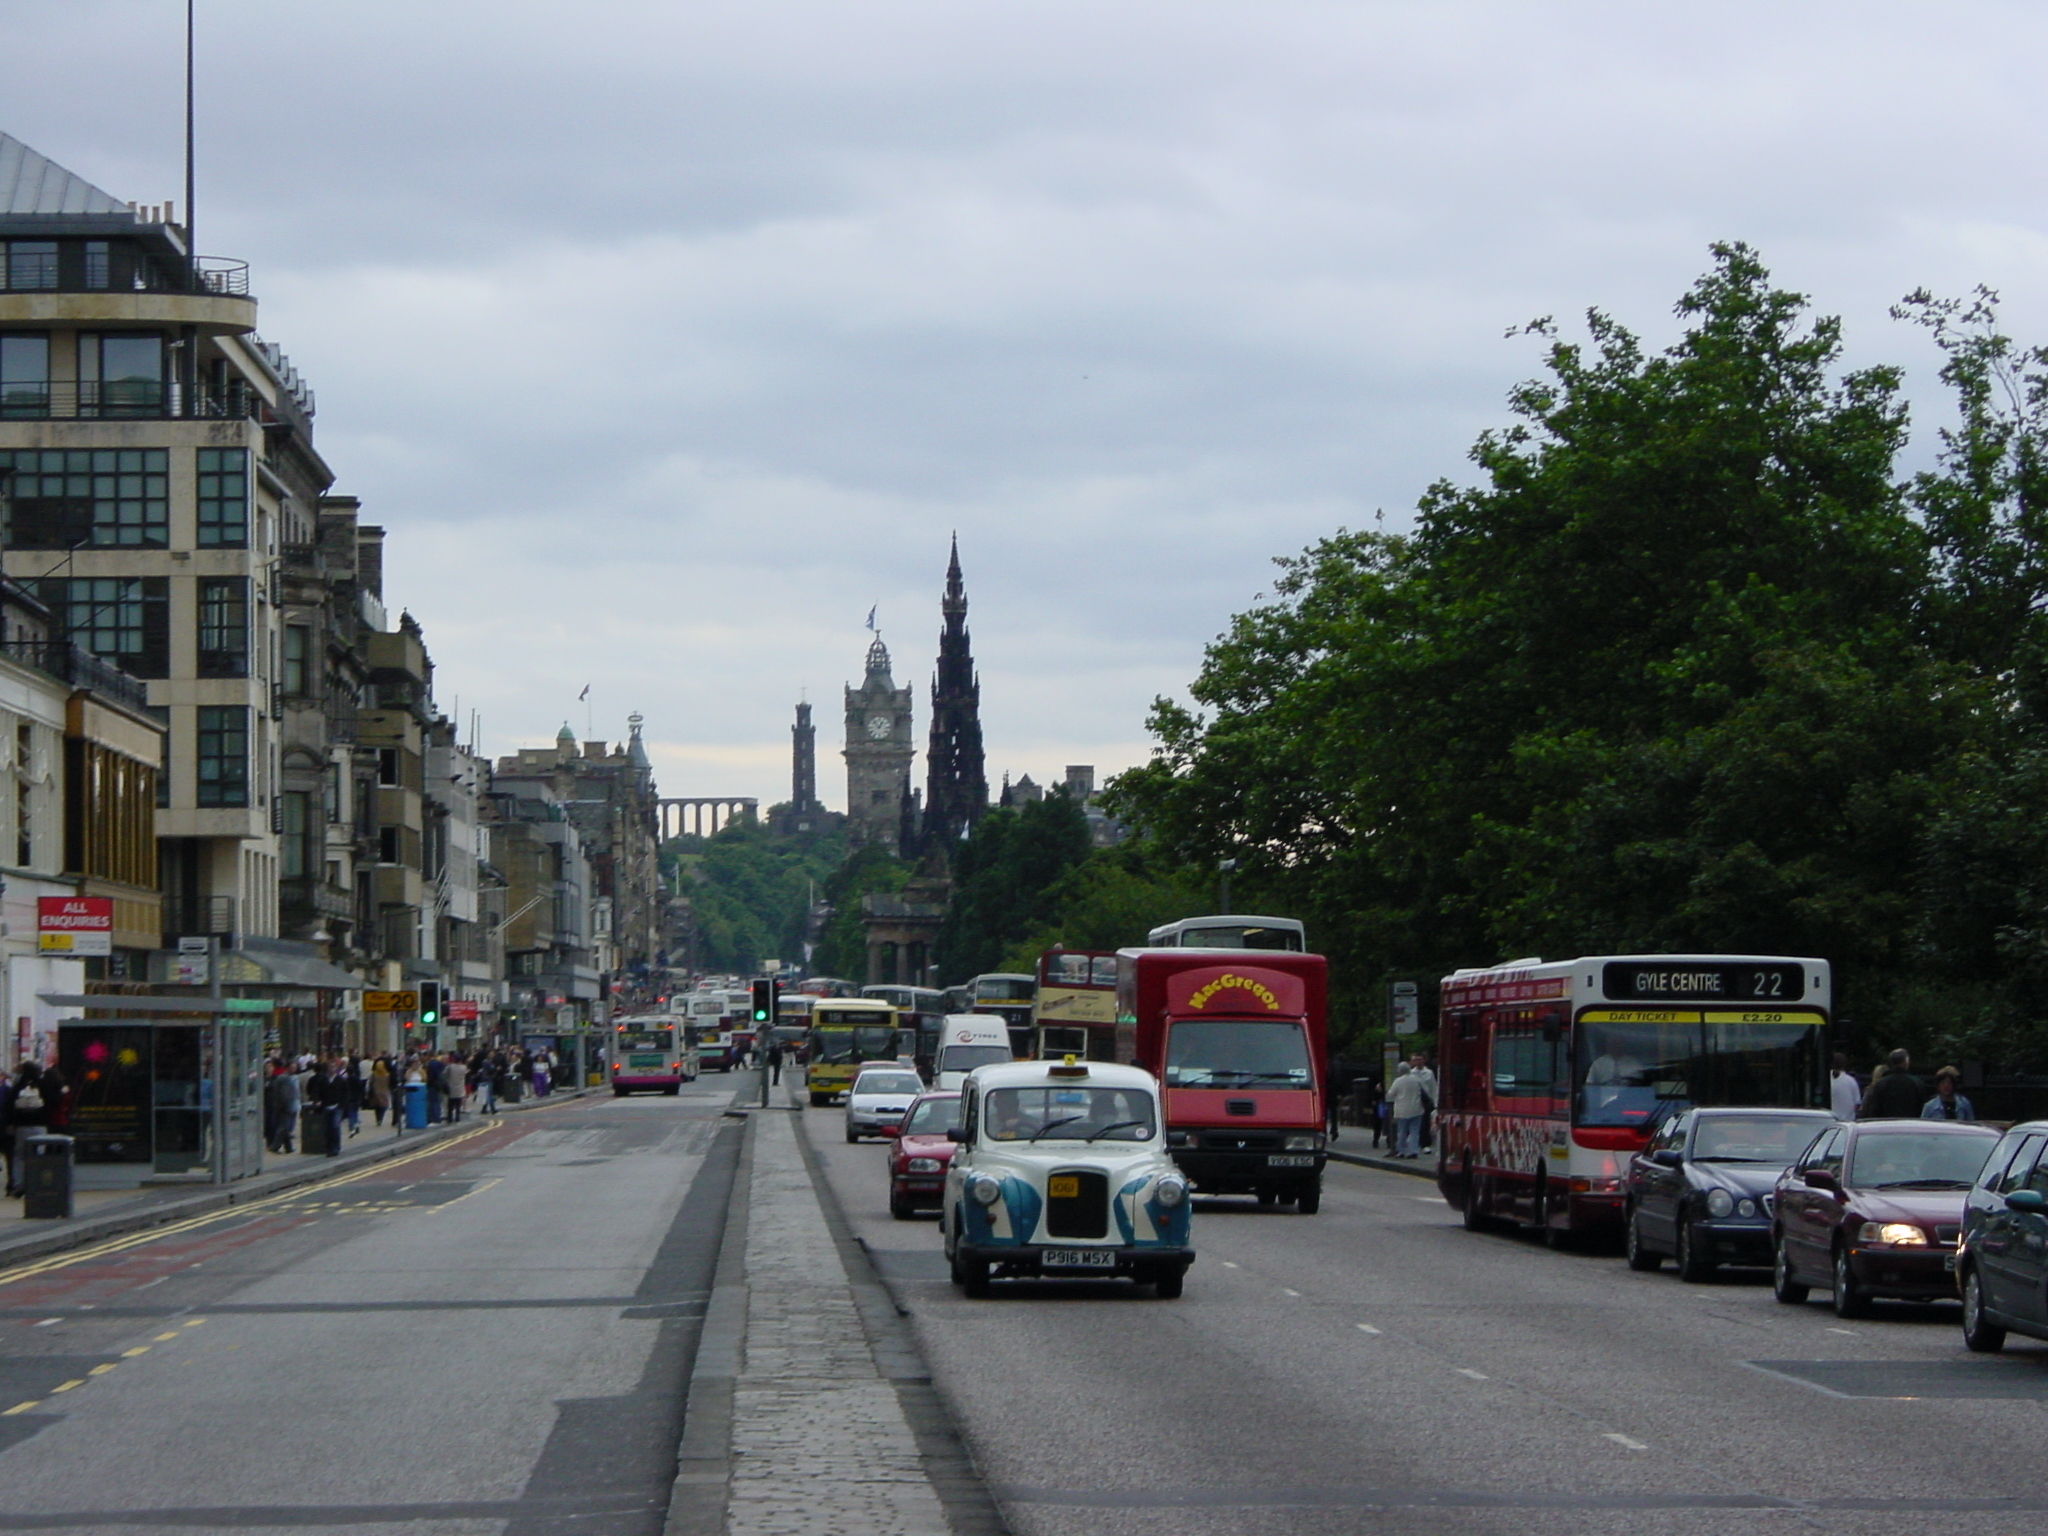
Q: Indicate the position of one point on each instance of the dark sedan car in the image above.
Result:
(1700, 1191)
(2002, 1267)
(1875, 1209)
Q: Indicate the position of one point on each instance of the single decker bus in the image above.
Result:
(1551, 1075)
(651, 1054)
(844, 1033)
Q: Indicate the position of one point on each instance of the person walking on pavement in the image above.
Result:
(1418, 1064)
(352, 1093)
(1898, 1095)
(281, 1099)
(1845, 1094)
(437, 1090)
(377, 1087)
(1947, 1104)
(327, 1091)
(775, 1061)
(455, 1078)
(1404, 1104)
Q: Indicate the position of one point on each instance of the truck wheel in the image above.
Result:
(1310, 1200)
(1266, 1196)
(1169, 1287)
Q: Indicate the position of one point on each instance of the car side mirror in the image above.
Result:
(1668, 1157)
(2031, 1201)
(1821, 1178)
(955, 1134)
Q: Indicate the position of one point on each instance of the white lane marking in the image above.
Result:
(46, 1322)
(1290, 1291)
(1475, 1375)
(1228, 1265)
(1625, 1443)
(1367, 1328)
(1428, 1199)
(1849, 1331)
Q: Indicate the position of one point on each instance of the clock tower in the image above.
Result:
(878, 753)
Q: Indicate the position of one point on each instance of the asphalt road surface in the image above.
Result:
(491, 1336)
(1376, 1368)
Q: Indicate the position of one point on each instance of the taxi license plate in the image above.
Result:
(1078, 1258)
(1063, 1187)
(1290, 1162)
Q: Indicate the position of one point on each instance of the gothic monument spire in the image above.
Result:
(956, 785)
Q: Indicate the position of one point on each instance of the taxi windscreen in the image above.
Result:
(1068, 1114)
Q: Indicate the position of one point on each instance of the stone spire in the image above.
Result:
(956, 785)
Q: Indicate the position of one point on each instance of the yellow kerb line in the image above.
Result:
(177, 1228)
(68, 1386)
(21, 1408)
(130, 1354)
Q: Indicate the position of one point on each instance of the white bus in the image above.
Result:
(1234, 931)
(651, 1052)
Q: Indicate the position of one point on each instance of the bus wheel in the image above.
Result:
(820, 1100)
(618, 1093)
(1310, 1200)
(673, 1089)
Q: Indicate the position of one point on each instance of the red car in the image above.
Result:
(920, 1153)
(1874, 1209)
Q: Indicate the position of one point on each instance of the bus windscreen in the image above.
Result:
(1629, 1071)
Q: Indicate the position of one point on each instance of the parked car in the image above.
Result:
(1061, 1169)
(1701, 1191)
(921, 1155)
(1875, 1209)
(2002, 1265)
(876, 1101)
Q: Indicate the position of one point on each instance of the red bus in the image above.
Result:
(1075, 1011)
(1239, 1042)
(1551, 1075)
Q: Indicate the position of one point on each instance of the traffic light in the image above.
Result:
(764, 1000)
(430, 1002)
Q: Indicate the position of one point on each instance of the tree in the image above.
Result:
(842, 950)
(1109, 901)
(750, 891)
(1003, 873)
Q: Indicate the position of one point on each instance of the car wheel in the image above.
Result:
(1694, 1268)
(1851, 1300)
(1309, 1201)
(1169, 1287)
(1640, 1259)
(852, 1135)
(1788, 1290)
(1980, 1334)
(900, 1209)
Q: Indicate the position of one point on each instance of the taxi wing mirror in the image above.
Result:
(955, 1134)
(2030, 1201)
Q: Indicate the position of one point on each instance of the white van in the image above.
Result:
(967, 1041)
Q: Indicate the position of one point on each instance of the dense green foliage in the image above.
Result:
(750, 891)
(842, 948)
(1003, 872)
(1690, 667)
(1111, 900)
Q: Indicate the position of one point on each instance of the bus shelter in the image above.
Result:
(170, 1085)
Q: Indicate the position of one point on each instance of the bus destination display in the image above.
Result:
(1757, 981)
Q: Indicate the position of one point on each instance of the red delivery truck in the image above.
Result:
(1239, 1042)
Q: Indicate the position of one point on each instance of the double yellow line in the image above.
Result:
(192, 1224)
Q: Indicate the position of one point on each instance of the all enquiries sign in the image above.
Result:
(75, 925)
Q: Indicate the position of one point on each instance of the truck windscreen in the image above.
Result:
(1236, 1053)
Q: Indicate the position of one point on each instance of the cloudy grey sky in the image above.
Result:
(667, 338)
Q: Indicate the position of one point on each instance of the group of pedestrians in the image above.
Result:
(33, 1102)
(1400, 1113)
(1894, 1093)
(340, 1086)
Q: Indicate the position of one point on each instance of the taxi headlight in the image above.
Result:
(984, 1189)
(1900, 1234)
(922, 1165)
(1309, 1143)
(1720, 1203)
(1170, 1192)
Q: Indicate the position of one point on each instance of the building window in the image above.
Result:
(297, 642)
(387, 766)
(123, 619)
(223, 754)
(387, 845)
(24, 376)
(163, 769)
(120, 374)
(102, 498)
(31, 264)
(296, 815)
(223, 626)
(223, 498)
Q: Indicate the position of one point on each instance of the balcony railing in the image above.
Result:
(128, 400)
(77, 666)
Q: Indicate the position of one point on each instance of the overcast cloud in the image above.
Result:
(666, 339)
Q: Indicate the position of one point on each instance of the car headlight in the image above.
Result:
(1304, 1144)
(1720, 1203)
(922, 1165)
(984, 1189)
(1899, 1234)
(1170, 1192)
(1745, 1207)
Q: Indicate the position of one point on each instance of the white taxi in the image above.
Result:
(1062, 1171)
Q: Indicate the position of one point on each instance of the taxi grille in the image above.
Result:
(1084, 1212)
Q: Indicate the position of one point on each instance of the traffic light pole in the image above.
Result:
(766, 991)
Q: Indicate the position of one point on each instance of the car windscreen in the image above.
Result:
(932, 1117)
(1236, 1053)
(1922, 1160)
(1068, 1114)
(888, 1082)
(965, 1058)
(1774, 1139)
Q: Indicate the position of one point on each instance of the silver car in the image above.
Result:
(876, 1103)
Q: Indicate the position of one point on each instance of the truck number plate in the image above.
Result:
(1290, 1162)
(1078, 1258)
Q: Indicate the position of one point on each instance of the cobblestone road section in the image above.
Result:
(820, 1446)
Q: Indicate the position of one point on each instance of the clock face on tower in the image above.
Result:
(878, 727)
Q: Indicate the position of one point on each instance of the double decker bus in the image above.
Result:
(1075, 1013)
(845, 1032)
(652, 1052)
(920, 1012)
(1009, 996)
(826, 986)
(1552, 1075)
(1230, 932)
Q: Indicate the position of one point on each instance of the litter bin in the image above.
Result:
(46, 1176)
(415, 1106)
(313, 1131)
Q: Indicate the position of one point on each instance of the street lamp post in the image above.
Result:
(1223, 869)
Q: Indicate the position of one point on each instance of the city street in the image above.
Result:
(496, 1335)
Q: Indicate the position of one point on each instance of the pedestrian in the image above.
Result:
(543, 1075)
(774, 1061)
(455, 1078)
(1845, 1094)
(378, 1088)
(327, 1093)
(28, 1114)
(352, 1094)
(281, 1102)
(1898, 1094)
(1947, 1104)
(1418, 1065)
(1404, 1101)
(437, 1090)
(486, 1084)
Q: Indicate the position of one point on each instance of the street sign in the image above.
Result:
(192, 946)
(461, 1008)
(1407, 1009)
(390, 1002)
(75, 925)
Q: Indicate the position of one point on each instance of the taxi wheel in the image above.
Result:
(1169, 1287)
(1982, 1336)
(1850, 1298)
(971, 1275)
